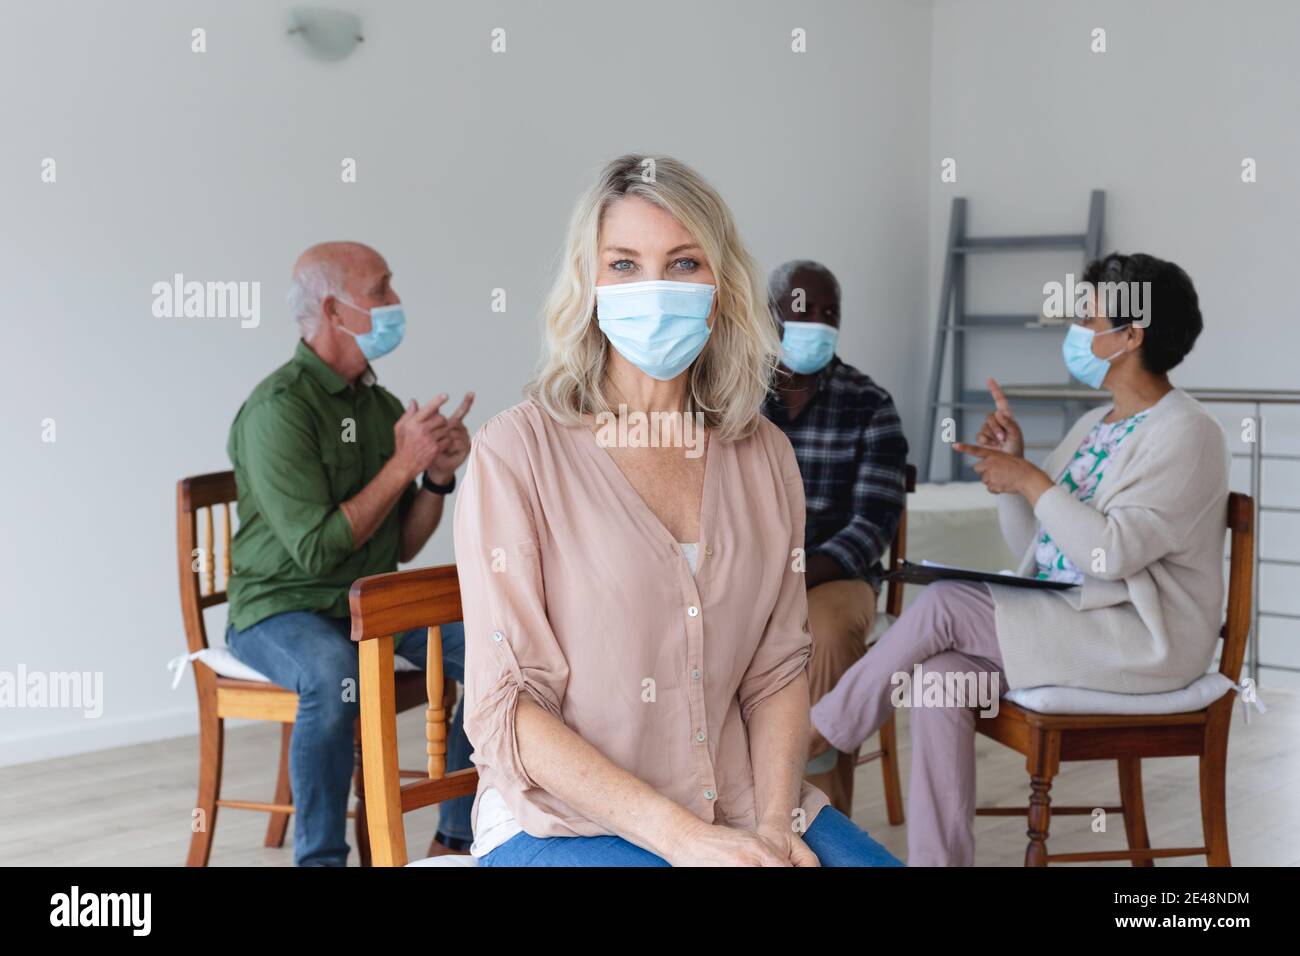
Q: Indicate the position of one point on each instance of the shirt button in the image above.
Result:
(693, 611)
(701, 736)
(708, 549)
(709, 794)
(497, 636)
(695, 674)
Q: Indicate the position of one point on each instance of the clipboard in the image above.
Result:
(910, 573)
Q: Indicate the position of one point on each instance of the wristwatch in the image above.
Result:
(428, 485)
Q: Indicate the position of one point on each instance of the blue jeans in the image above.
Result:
(313, 655)
(834, 839)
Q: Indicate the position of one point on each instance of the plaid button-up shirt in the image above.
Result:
(851, 451)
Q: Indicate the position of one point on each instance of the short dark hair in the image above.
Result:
(1174, 312)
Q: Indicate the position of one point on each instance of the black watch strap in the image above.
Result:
(428, 485)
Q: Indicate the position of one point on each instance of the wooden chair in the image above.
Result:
(222, 698)
(1047, 740)
(888, 752)
(384, 605)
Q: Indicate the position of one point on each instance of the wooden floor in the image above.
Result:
(132, 805)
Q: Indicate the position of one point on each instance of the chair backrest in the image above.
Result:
(384, 605)
(197, 498)
(898, 548)
(1241, 575)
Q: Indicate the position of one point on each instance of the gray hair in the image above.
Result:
(778, 285)
(311, 284)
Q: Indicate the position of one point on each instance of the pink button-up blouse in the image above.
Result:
(576, 594)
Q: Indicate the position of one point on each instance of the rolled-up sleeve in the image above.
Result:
(292, 487)
(786, 646)
(509, 645)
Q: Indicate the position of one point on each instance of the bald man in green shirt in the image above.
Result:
(336, 481)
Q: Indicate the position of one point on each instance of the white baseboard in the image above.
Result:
(102, 734)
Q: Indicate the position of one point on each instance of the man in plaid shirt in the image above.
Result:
(851, 451)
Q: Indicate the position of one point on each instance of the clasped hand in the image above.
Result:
(769, 844)
(427, 441)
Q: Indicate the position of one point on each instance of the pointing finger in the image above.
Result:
(431, 407)
(999, 398)
(463, 409)
(978, 451)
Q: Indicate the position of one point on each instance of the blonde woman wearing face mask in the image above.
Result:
(636, 620)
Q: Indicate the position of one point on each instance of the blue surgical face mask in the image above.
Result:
(387, 328)
(1079, 358)
(806, 347)
(659, 326)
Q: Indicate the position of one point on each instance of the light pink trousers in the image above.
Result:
(949, 629)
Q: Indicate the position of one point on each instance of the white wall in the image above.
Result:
(224, 165)
(1161, 121)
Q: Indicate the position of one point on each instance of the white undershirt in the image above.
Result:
(496, 824)
(691, 552)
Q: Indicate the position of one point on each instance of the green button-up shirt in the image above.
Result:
(304, 442)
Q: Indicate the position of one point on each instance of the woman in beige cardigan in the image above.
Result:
(1130, 507)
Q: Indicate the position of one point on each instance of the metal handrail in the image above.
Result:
(1257, 456)
(1073, 393)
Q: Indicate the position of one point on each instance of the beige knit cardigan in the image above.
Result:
(1150, 544)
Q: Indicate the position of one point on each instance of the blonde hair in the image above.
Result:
(729, 379)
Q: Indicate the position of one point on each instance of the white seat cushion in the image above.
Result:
(221, 660)
(1199, 694)
(447, 859)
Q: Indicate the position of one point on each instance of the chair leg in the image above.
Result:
(359, 785)
(889, 772)
(283, 792)
(1130, 797)
(211, 743)
(1043, 762)
(1040, 817)
(1214, 802)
